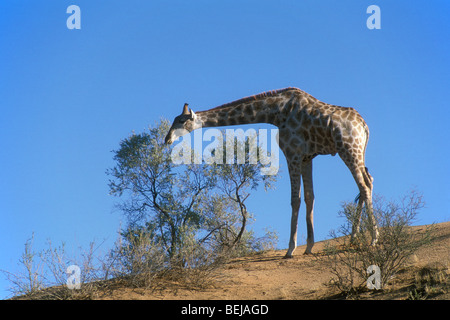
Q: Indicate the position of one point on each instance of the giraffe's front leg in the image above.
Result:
(294, 172)
(295, 203)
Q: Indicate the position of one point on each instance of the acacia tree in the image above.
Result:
(236, 180)
(177, 206)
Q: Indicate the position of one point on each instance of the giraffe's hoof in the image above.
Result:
(307, 252)
(288, 256)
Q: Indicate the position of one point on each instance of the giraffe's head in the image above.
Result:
(182, 124)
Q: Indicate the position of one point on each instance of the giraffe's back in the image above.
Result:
(311, 127)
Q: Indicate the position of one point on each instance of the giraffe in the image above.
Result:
(307, 127)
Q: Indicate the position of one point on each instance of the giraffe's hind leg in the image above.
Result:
(309, 201)
(361, 200)
(356, 223)
(364, 181)
(369, 205)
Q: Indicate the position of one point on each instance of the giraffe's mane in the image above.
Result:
(266, 94)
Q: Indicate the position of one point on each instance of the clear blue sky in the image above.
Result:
(67, 98)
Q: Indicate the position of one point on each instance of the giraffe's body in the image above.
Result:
(307, 128)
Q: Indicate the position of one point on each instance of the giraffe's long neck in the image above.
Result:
(262, 108)
(240, 114)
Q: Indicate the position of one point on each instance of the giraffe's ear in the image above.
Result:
(192, 114)
(186, 109)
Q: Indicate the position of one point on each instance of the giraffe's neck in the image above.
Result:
(239, 114)
(262, 108)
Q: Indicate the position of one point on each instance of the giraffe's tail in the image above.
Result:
(369, 182)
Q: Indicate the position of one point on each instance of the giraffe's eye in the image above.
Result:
(183, 119)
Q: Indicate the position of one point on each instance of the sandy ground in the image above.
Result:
(270, 277)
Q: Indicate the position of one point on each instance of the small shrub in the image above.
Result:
(430, 281)
(136, 257)
(29, 279)
(350, 260)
